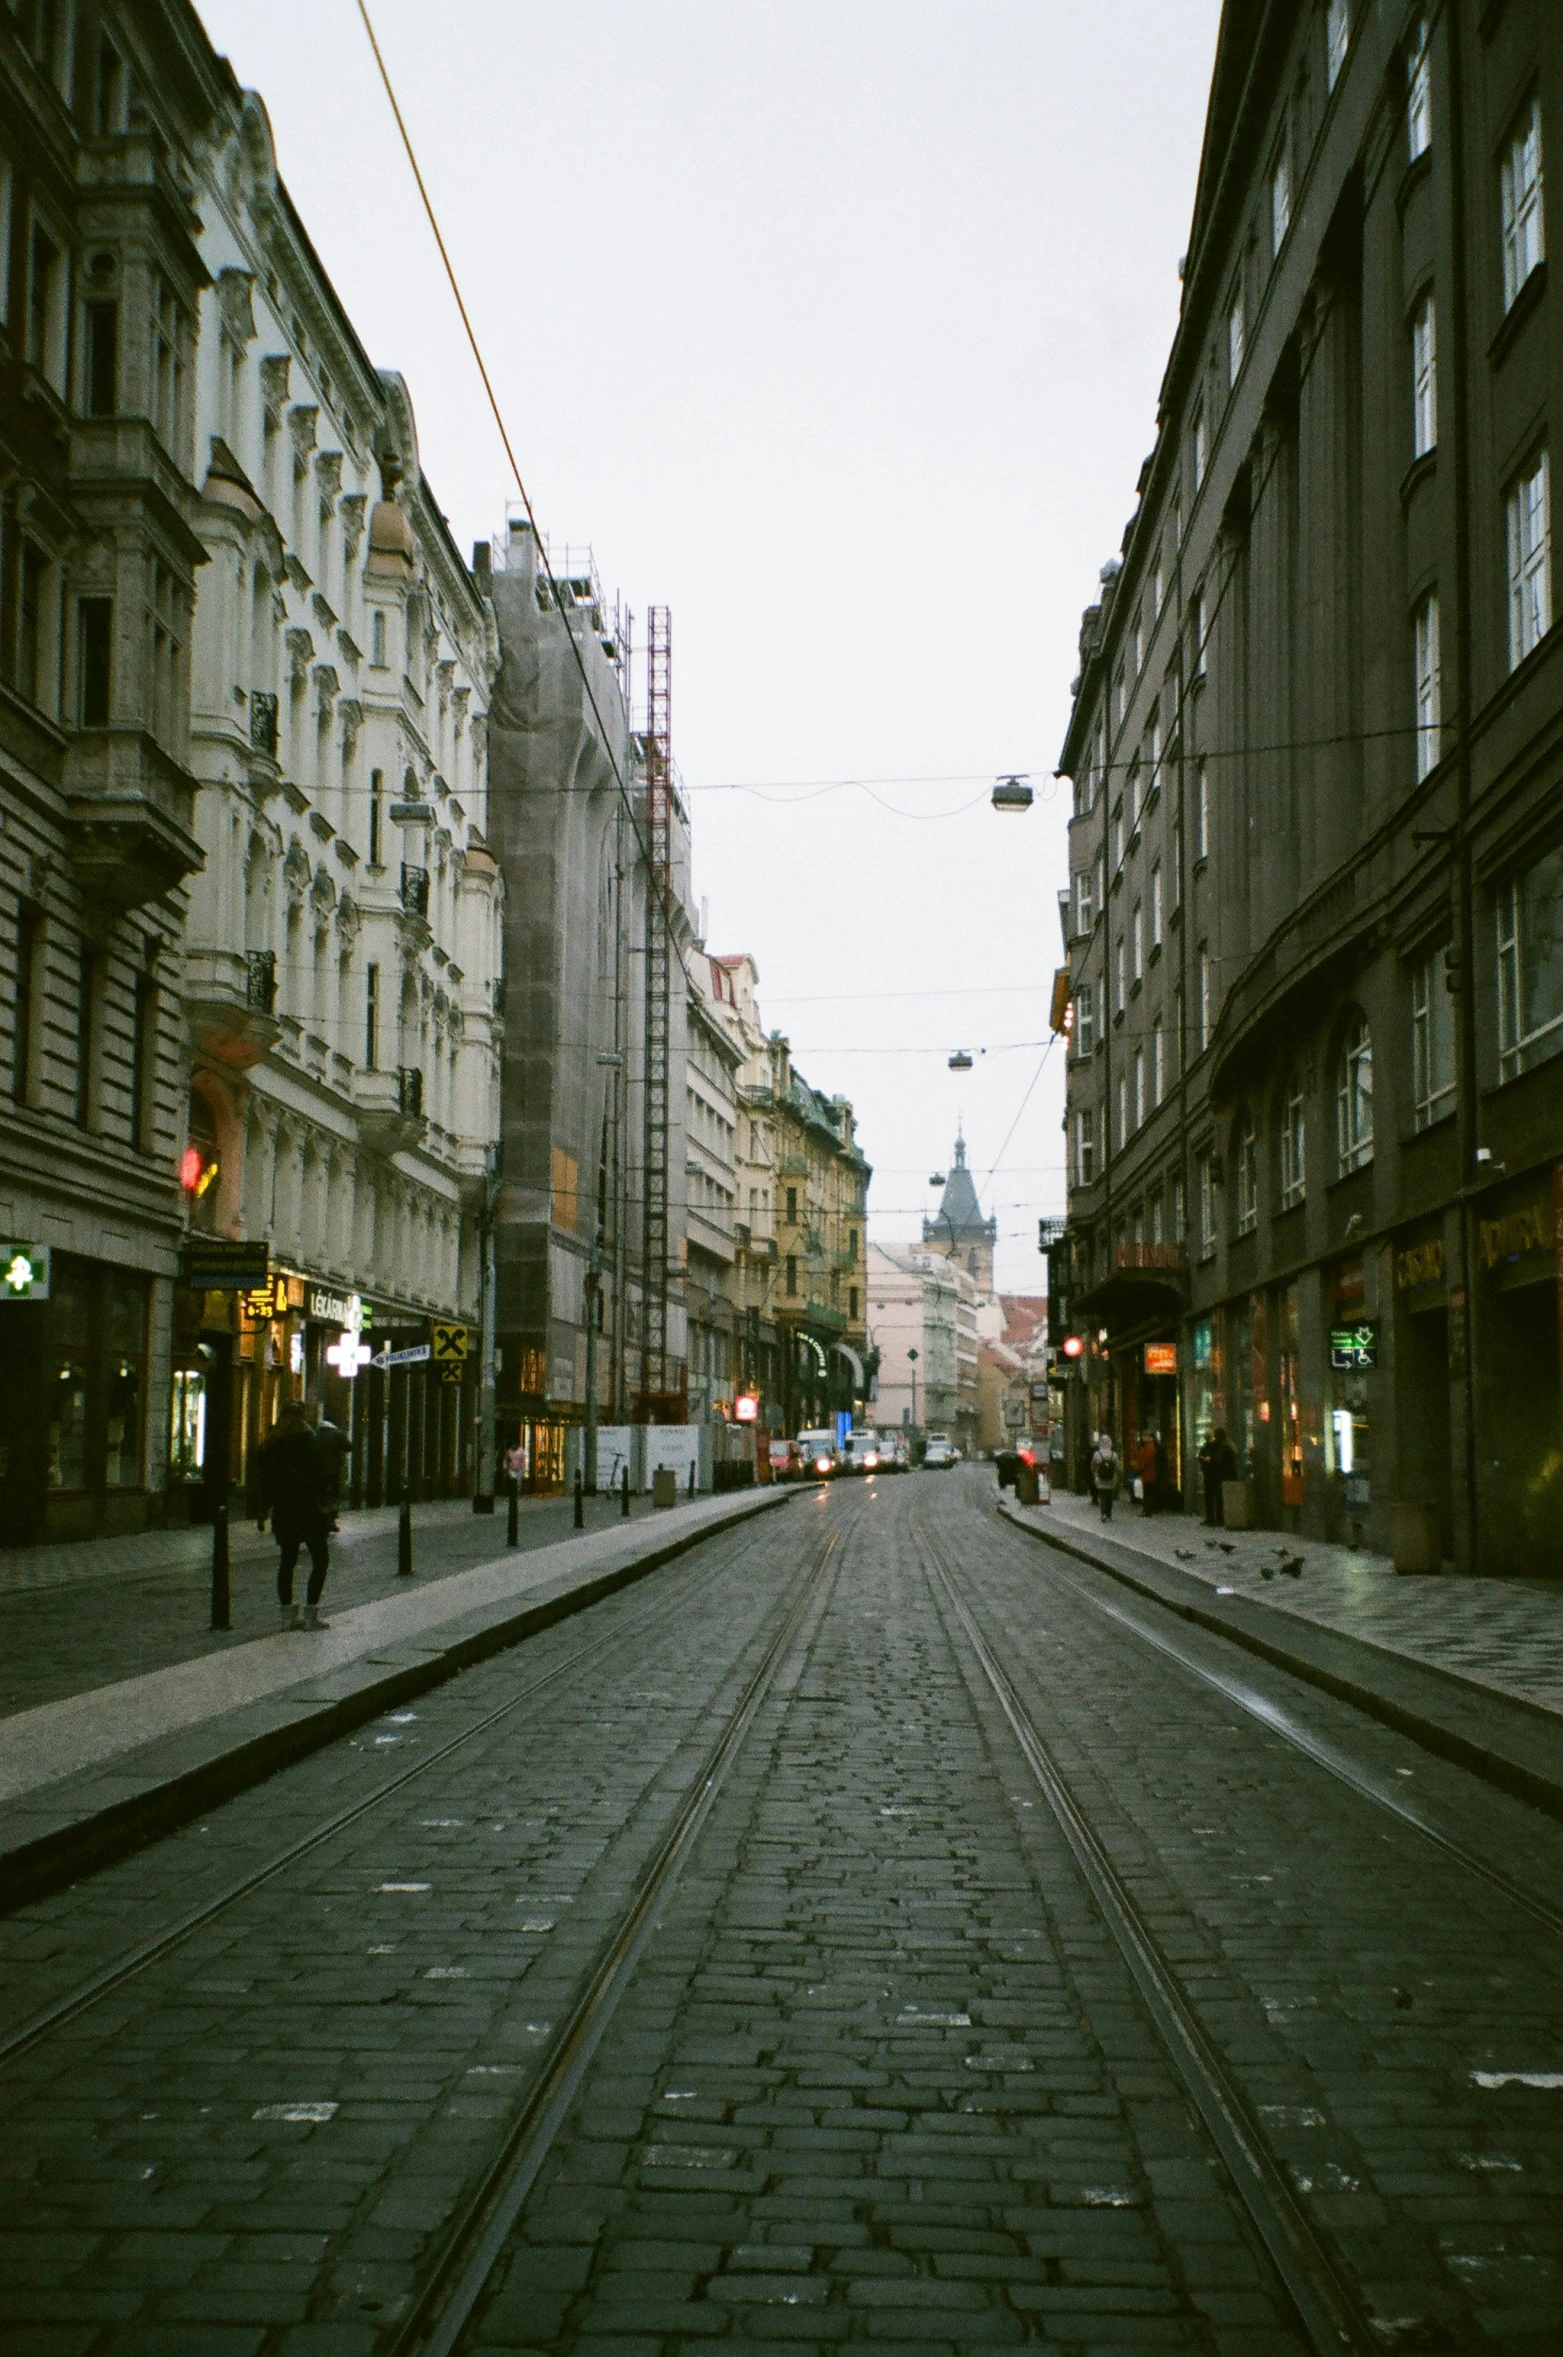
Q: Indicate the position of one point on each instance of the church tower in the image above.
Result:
(958, 1229)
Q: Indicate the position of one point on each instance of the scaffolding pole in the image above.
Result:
(659, 993)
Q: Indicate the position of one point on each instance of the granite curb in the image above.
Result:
(1506, 1739)
(83, 1821)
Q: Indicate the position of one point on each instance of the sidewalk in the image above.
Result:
(1471, 1667)
(103, 1766)
(75, 1617)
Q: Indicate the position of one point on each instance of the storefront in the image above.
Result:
(1350, 1407)
(1519, 1301)
(73, 1401)
(1424, 1376)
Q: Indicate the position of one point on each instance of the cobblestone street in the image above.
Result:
(751, 1981)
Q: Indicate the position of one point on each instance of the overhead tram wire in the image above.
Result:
(642, 846)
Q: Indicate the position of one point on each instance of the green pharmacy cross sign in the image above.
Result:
(24, 1272)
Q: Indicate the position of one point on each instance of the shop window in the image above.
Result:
(1245, 1173)
(66, 1373)
(1293, 1142)
(1354, 1098)
(1530, 966)
(187, 1425)
(124, 1349)
(1432, 1043)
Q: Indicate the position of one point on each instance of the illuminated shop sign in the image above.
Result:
(1161, 1358)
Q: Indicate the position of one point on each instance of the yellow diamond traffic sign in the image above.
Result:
(450, 1345)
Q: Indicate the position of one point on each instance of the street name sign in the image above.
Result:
(414, 1356)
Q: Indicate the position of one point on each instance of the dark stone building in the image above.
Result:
(1315, 916)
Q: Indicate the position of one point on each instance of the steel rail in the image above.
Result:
(158, 1944)
(476, 2241)
(1314, 1747)
(1323, 2303)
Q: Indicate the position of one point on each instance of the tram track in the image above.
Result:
(1322, 2300)
(1280, 1722)
(157, 1945)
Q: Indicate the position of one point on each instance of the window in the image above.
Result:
(792, 1208)
(1429, 691)
(852, 1303)
(1156, 587)
(1424, 378)
(1294, 1142)
(1197, 634)
(29, 945)
(1237, 328)
(1085, 913)
(1201, 812)
(1519, 193)
(1180, 1209)
(1156, 917)
(1245, 1173)
(1137, 943)
(1280, 200)
(143, 1038)
(108, 110)
(1139, 1086)
(372, 1019)
(168, 368)
(1337, 39)
(1528, 533)
(376, 815)
(1117, 834)
(1158, 1062)
(1120, 697)
(1202, 986)
(37, 611)
(1123, 1111)
(1085, 1018)
(1205, 1182)
(377, 638)
(94, 648)
(1085, 1146)
(89, 991)
(1120, 979)
(1530, 966)
(1432, 1043)
(1354, 1098)
(46, 307)
(101, 365)
(166, 631)
(1201, 446)
(1137, 644)
(1419, 94)
(792, 1272)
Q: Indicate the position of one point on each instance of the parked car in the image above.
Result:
(786, 1461)
(941, 1453)
(818, 1451)
(862, 1452)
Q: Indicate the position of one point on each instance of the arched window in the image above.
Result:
(1245, 1172)
(1354, 1097)
(1293, 1140)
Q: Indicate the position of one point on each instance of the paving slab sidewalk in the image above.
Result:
(1472, 1668)
(91, 1774)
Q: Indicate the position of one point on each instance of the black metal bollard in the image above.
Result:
(404, 1538)
(222, 1600)
(580, 1499)
(513, 1514)
(625, 1508)
(691, 1476)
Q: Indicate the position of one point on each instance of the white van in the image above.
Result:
(861, 1452)
(817, 1447)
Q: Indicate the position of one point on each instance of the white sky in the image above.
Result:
(836, 325)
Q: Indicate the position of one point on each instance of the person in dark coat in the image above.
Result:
(293, 1486)
(1217, 1464)
(335, 1449)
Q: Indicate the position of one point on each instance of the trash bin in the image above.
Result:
(1237, 1504)
(1415, 1536)
(1026, 1490)
(664, 1486)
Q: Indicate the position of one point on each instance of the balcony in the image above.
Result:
(129, 819)
(230, 1003)
(390, 1108)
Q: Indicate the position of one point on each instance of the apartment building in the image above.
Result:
(1316, 997)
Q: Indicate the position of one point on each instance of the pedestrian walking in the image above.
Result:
(1217, 1465)
(1104, 1474)
(1146, 1471)
(293, 1481)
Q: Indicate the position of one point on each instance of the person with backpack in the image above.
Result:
(294, 1483)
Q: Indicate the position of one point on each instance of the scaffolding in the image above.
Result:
(659, 996)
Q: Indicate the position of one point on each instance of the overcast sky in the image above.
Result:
(837, 326)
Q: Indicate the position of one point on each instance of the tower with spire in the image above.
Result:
(958, 1229)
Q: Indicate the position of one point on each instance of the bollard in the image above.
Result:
(513, 1514)
(691, 1477)
(625, 1508)
(222, 1613)
(404, 1538)
(580, 1499)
